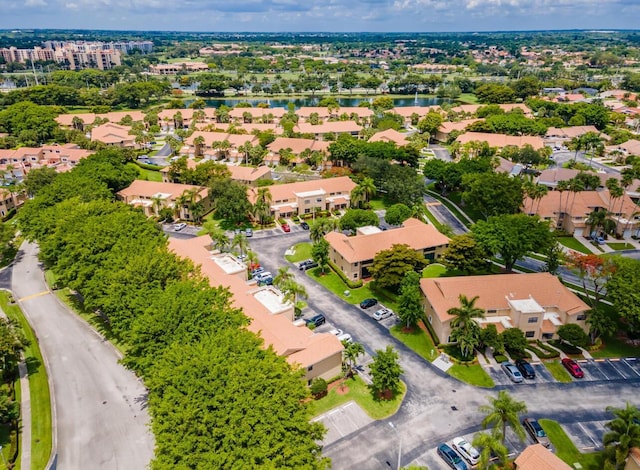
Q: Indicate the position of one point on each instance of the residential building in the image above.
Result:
(113, 134)
(260, 115)
(538, 457)
(297, 147)
(558, 136)
(633, 461)
(318, 354)
(409, 112)
(447, 127)
(354, 255)
(60, 157)
(353, 112)
(9, 201)
(569, 211)
(552, 176)
(67, 120)
(537, 303)
(501, 140)
(249, 175)
(305, 197)
(153, 196)
(630, 147)
(331, 127)
(390, 135)
(219, 145)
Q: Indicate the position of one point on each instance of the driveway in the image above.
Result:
(437, 407)
(101, 420)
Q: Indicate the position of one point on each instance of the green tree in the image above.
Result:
(493, 193)
(512, 236)
(623, 434)
(465, 330)
(622, 287)
(351, 353)
(230, 200)
(320, 253)
(319, 228)
(397, 214)
(514, 342)
(573, 334)
(12, 343)
(354, 218)
(390, 266)
(503, 411)
(430, 123)
(464, 254)
(410, 309)
(490, 445)
(9, 409)
(385, 374)
(38, 178)
(600, 324)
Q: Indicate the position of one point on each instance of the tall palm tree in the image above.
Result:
(351, 353)
(156, 202)
(503, 411)
(562, 187)
(252, 258)
(283, 276)
(199, 144)
(239, 241)
(220, 240)
(490, 444)
(464, 329)
(623, 434)
(615, 190)
(368, 189)
(262, 206)
(292, 292)
(628, 175)
(357, 196)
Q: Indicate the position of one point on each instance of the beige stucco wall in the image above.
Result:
(327, 368)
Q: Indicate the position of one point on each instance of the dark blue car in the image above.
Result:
(451, 457)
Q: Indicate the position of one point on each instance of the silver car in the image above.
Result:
(466, 450)
(512, 371)
(382, 314)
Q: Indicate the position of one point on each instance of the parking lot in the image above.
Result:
(594, 370)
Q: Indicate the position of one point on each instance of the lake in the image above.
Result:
(309, 101)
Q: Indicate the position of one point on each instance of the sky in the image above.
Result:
(320, 15)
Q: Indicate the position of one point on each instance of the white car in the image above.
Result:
(336, 331)
(466, 450)
(180, 226)
(345, 337)
(382, 314)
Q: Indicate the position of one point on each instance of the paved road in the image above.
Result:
(100, 406)
(427, 416)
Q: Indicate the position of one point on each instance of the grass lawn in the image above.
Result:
(444, 229)
(472, 374)
(434, 270)
(332, 282)
(574, 244)
(359, 392)
(558, 371)
(302, 252)
(41, 431)
(566, 450)
(615, 347)
(468, 98)
(621, 246)
(379, 203)
(417, 340)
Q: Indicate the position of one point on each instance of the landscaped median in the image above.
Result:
(41, 430)
(567, 451)
(357, 390)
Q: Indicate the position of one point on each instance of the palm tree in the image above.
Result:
(262, 206)
(503, 411)
(156, 202)
(628, 175)
(199, 143)
(356, 196)
(252, 259)
(351, 353)
(615, 190)
(562, 187)
(239, 241)
(283, 276)
(623, 434)
(220, 240)
(464, 329)
(292, 292)
(368, 189)
(490, 444)
(319, 229)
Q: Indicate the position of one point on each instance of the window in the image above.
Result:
(430, 318)
(532, 320)
(319, 199)
(493, 310)
(310, 368)
(530, 334)
(306, 211)
(355, 275)
(582, 316)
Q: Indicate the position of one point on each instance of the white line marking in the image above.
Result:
(588, 435)
(631, 367)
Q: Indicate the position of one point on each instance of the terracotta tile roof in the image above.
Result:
(287, 192)
(390, 135)
(632, 147)
(299, 344)
(570, 132)
(111, 133)
(448, 126)
(237, 113)
(148, 189)
(323, 112)
(538, 457)
(297, 146)
(245, 173)
(335, 126)
(582, 205)
(414, 233)
(408, 111)
(493, 292)
(502, 140)
(235, 140)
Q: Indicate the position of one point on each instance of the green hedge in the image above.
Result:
(566, 347)
(500, 358)
(350, 284)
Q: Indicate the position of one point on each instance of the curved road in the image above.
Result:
(100, 407)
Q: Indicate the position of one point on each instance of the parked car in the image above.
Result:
(316, 320)
(336, 331)
(286, 228)
(262, 275)
(600, 240)
(512, 371)
(535, 431)
(257, 271)
(526, 369)
(382, 314)
(304, 225)
(266, 281)
(345, 337)
(248, 233)
(573, 368)
(466, 450)
(367, 303)
(180, 226)
(452, 459)
(307, 264)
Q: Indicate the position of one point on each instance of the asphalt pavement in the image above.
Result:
(100, 408)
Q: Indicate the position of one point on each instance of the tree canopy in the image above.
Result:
(390, 266)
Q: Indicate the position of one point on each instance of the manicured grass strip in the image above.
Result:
(464, 218)
(566, 450)
(614, 347)
(574, 244)
(359, 392)
(302, 252)
(558, 371)
(440, 227)
(473, 374)
(434, 270)
(146, 174)
(41, 431)
(621, 246)
(417, 340)
(332, 282)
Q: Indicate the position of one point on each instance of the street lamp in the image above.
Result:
(399, 443)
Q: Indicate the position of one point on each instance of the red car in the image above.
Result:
(286, 228)
(573, 368)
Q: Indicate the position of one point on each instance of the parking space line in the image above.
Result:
(599, 370)
(616, 369)
(631, 367)
(588, 434)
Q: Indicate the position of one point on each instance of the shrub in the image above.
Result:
(566, 347)
(350, 283)
(573, 334)
(319, 387)
(453, 350)
(500, 358)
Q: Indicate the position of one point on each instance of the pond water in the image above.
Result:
(310, 101)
